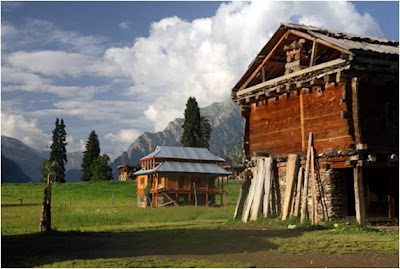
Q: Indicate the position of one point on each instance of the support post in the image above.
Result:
(298, 192)
(306, 175)
(303, 142)
(359, 195)
(207, 193)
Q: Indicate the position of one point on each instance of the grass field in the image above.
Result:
(93, 229)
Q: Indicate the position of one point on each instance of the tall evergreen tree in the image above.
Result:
(58, 153)
(191, 127)
(205, 130)
(196, 128)
(90, 155)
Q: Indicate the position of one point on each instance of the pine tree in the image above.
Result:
(205, 130)
(196, 128)
(191, 127)
(90, 155)
(58, 153)
(100, 169)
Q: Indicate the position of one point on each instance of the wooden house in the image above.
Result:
(125, 172)
(180, 175)
(343, 88)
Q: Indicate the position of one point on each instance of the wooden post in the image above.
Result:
(303, 142)
(190, 188)
(298, 192)
(356, 110)
(267, 185)
(195, 194)
(359, 195)
(313, 53)
(259, 189)
(222, 184)
(291, 173)
(305, 188)
(227, 191)
(314, 190)
(156, 190)
(207, 193)
(242, 195)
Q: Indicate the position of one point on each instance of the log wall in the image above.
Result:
(275, 125)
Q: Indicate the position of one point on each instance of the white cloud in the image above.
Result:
(27, 131)
(205, 57)
(125, 136)
(124, 25)
(122, 140)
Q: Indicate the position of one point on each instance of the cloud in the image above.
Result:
(27, 131)
(205, 57)
(125, 136)
(122, 140)
(124, 25)
(35, 33)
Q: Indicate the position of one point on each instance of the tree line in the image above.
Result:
(196, 133)
(94, 166)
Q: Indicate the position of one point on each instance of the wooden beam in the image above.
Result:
(356, 110)
(267, 185)
(306, 176)
(250, 78)
(313, 53)
(303, 138)
(298, 192)
(291, 174)
(359, 195)
(263, 73)
(314, 190)
(318, 40)
(277, 80)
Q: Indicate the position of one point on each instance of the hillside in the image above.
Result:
(21, 163)
(225, 141)
(26, 158)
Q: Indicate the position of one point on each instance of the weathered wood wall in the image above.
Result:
(275, 125)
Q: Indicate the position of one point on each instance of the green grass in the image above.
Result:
(85, 210)
(147, 262)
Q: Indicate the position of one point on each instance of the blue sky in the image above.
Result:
(122, 68)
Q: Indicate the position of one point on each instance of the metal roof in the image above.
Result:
(186, 153)
(186, 167)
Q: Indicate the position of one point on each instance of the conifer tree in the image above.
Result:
(58, 153)
(90, 155)
(191, 126)
(100, 169)
(205, 131)
(196, 128)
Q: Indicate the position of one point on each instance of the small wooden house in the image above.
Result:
(125, 172)
(180, 175)
(343, 88)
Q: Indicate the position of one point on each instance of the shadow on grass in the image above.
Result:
(19, 205)
(38, 249)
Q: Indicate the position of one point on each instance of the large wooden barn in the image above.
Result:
(344, 89)
(180, 175)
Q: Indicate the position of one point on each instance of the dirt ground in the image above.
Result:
(228, 245)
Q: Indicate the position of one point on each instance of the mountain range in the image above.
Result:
(21, 163)
(225, 140)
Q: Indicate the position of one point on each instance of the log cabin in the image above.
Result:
(344, 89)
(125, 172)
(180, 176)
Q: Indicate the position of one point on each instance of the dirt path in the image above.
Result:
(244, 246)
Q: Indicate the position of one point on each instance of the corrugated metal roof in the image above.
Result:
(186, 167)
(186, 153)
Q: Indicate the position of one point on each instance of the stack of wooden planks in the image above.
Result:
(298, 201)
